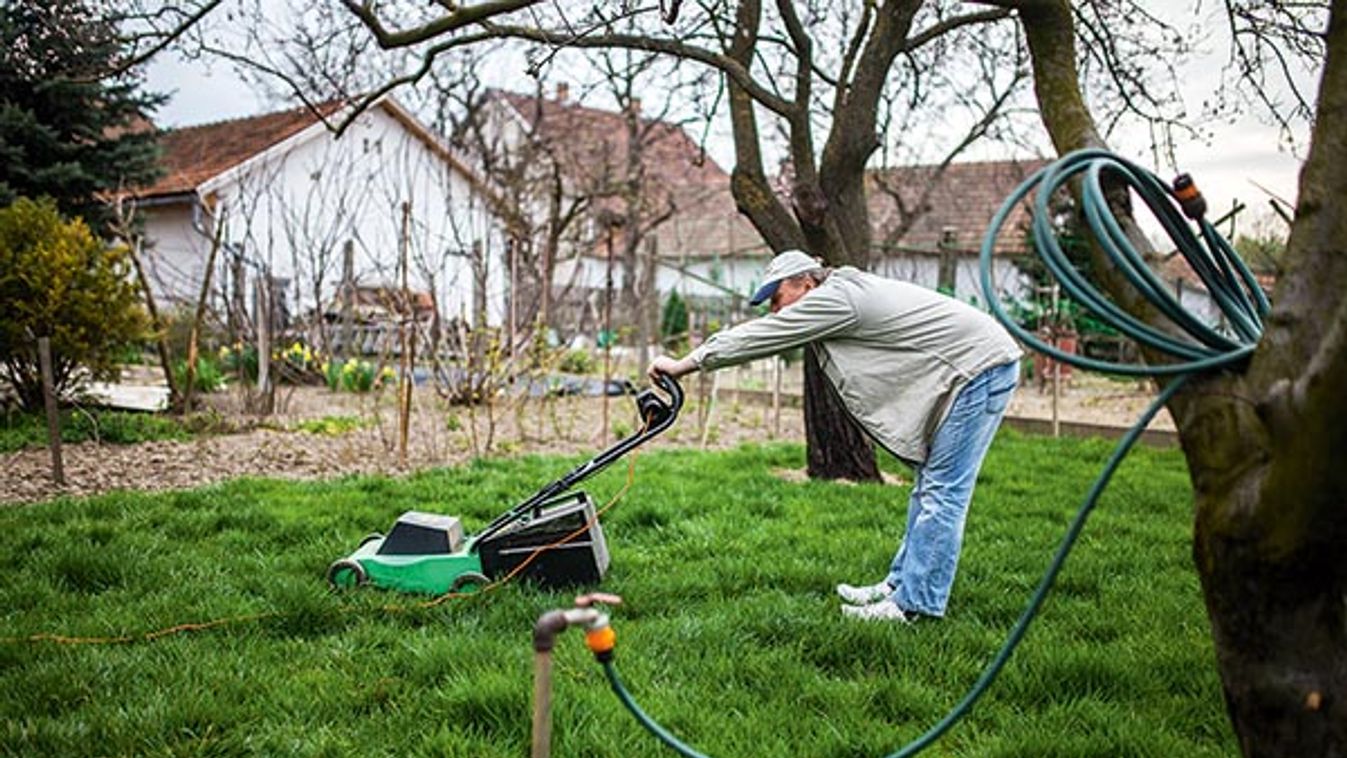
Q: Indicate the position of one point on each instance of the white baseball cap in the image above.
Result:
(785, 265)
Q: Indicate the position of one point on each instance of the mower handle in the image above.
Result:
(656, 416)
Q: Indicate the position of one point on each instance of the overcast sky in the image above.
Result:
(1240, 157)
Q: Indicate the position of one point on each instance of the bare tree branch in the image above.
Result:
(936, 31)
(458, 17)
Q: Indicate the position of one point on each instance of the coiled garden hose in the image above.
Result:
(1207, 348)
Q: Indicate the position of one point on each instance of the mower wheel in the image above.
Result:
(372, 536)
(467, 580)
(346, 573)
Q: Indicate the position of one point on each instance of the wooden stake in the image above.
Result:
(776, 396)
(347, 299)
(265, 400)
(408, 340)
(1056, 366)
(49, 399)
(608, 335)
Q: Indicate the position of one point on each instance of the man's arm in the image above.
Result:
(674, 367)
(823, 313)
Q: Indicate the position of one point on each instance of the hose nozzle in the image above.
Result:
(1190, 199)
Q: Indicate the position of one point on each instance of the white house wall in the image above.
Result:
(1009, 281)
(293, 210)
(175, 254)
(703, 277)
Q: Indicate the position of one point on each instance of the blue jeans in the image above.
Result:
(922, 572)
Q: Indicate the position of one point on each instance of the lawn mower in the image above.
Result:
(555, 531)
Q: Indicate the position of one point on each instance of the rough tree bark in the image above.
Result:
(1263, 446)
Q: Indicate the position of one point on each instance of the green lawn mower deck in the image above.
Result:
(552, 539)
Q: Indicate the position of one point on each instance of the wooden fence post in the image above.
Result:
(407, 334)
(266, 399)
(347, 299)
(49, 399)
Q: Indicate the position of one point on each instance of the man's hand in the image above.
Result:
(674, 367)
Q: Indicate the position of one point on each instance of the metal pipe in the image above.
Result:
(542, 705)
(545, 632)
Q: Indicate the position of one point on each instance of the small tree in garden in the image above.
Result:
(673, 328)
(57, 280)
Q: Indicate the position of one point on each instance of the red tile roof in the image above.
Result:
(962, 202)
(1174, 268)
(593, 145)
(195, 154)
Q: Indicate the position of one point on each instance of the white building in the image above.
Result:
(289, 200)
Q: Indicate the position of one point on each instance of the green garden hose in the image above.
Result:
(1231, 285)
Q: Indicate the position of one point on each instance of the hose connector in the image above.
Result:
(598, 634)
(600, 637)
(1190, 199)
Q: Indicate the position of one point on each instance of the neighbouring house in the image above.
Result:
(294, 205)
(928, 223)
(1192, 294)
(684, 220)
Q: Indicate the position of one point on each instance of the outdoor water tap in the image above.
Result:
(598, 635)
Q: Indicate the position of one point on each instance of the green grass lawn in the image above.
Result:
(730, 635)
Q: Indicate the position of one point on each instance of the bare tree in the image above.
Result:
(315, 224)
(124, 228)
(543, 202)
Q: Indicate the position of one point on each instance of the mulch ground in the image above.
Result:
(440, 435)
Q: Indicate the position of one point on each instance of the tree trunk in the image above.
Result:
(1264, 446)
(1271, 522)
(189, 383)
(837, 448)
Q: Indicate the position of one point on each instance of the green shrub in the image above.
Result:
(121, 428)
(25, 430)
(332, 374)
(577, 361)
(673, 327)
(208, 375)
(57, 280)
(177, 327)
(239, 361)
(355, 375)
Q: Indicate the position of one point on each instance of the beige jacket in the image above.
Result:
(897, 353)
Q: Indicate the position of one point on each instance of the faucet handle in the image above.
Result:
(589, 599)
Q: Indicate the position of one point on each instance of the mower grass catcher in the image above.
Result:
(428, 553)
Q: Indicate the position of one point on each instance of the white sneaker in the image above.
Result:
(884, 610)
(864, 595)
